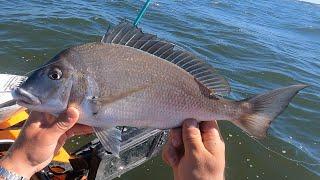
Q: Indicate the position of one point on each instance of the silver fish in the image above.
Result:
(135, 79)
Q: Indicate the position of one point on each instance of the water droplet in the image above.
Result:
(284, 151)
(239, 142)
(77, 143)
(290, 137)
(257, 176)
(230, 135)
(247, 159)
(251, 165)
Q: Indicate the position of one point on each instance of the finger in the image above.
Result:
(211, 137)
(176, 137)
(191, 136)
(79, 129)
(65, 122)
(169, 154)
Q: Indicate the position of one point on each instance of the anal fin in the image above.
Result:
(110, 139)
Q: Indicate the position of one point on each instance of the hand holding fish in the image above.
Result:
(41, 138)
(196, 151)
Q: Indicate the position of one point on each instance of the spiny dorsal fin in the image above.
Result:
(127, 34)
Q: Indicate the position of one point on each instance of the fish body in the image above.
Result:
(138, 89)
(135, 79)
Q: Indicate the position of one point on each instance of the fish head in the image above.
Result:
(47, 89)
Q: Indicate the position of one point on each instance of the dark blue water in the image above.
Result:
(256, 45)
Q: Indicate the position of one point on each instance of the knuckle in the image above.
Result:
(62, 125)
(192, 133)
(196, 153)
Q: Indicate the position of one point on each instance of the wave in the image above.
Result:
(311, 1)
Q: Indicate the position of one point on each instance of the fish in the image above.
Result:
(133, 78)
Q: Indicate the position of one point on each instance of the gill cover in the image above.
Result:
(51, 84)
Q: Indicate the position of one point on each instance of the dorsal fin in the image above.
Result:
(127, 34)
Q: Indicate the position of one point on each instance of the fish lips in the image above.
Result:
(24, 98)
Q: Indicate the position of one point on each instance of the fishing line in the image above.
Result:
(136, 22)
(43, 66)
(176, 47)
(288, 158)
(279, 154)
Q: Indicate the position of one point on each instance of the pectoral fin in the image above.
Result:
(112, 98)
(110, 139)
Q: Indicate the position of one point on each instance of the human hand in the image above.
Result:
(195, 153)
(41, 137)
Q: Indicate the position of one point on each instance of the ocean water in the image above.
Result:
(256, 45)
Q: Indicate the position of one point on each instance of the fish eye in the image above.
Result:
(55, 74)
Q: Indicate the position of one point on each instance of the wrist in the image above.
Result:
(17, 163)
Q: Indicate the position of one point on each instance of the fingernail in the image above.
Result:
(192, 123)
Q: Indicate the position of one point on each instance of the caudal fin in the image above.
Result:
(264, 108)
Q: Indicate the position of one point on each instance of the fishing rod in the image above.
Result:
(142, 12)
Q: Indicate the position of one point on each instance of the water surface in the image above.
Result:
(256, 45)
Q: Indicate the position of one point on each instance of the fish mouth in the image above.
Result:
(24, 98)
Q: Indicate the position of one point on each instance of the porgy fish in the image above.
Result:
(134, 79)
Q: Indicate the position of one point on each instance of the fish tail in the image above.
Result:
(262, 109)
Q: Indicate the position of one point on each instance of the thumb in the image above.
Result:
(191, 136)
(65, 121)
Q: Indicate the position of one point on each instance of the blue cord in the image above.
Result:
(141, 13)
